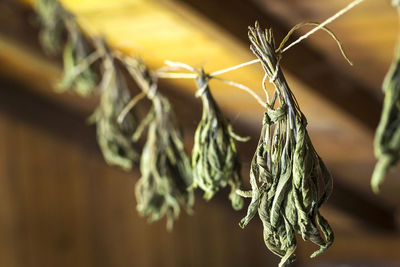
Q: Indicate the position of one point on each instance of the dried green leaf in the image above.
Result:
(51, 17)
(164, 164)
(78, 57)
(215, 160)
(113, 137)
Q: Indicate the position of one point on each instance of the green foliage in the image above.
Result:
(165, 168)
(114, 137)
(78, 59)
(387, 136)
(51, 15)
(164, 164)
(215, 160)
(289, 181)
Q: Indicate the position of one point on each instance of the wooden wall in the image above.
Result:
(61, 205)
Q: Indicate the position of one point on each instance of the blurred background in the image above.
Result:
(61, 205)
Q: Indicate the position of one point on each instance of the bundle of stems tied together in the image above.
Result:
(79, 55)
(114, 136)
(289, 181)
(215, 159)
(165, 166)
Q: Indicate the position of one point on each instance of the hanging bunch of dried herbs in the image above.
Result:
(215, 160)
(51, 17)
(289, 180)
(387, 137)
(78, 56)
(113, 135)
(78, 60)
(164, 164)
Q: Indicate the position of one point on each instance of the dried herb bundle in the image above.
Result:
(289, 180)
(215, 160)
(114, 137)
(164, 164)
(51, 16)
(78, 57)
(78, 61)
(387, 137)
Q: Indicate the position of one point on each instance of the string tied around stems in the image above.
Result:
(172, 66)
